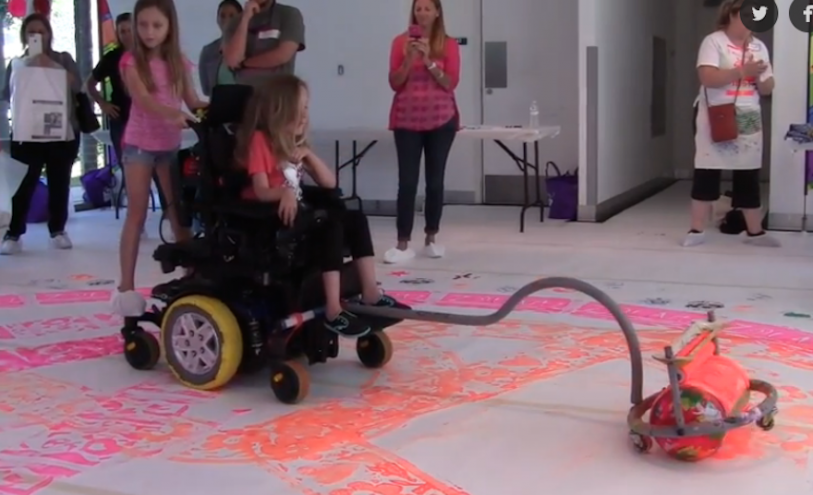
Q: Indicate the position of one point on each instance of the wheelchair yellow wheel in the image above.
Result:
(290, 381)
(374, 350)
(202, 342)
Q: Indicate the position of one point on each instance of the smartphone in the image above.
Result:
(35, 45)
(415, 32)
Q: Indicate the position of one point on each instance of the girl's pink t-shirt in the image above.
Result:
(148, 131)
(421, 104)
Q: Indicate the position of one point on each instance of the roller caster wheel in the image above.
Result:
(641, 443)
(290, 381)
(374, 350)
(766, 423)
(141, 350)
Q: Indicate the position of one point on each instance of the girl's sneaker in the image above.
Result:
(388, 302)
(348, 325)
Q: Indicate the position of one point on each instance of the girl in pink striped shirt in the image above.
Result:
(157, 77)
(424, 72)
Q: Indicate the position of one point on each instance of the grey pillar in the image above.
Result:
(83, 15)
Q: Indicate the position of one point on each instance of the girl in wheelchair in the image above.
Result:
(271, 147)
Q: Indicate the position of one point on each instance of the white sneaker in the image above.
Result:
(434, 251)
(129, 304)
(61, 241)
(11, 246)
(394, 256)
(693, 239)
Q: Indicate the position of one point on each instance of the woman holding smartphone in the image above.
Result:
(424, 72)
(57, 157)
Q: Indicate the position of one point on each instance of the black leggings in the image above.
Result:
(57, 158)
(347, 229)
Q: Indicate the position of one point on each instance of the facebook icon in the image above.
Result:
(801, 15)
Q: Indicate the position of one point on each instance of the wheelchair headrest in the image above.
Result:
(227, 105)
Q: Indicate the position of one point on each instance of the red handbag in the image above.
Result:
(723, 118)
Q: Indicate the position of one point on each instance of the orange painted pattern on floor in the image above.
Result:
(327, 446)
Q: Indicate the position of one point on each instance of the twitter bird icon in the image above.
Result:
(758, 16)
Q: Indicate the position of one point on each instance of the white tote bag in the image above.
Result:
(39, 104)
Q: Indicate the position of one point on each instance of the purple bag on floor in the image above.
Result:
(38, 211)
(98, 185)
(563, 193)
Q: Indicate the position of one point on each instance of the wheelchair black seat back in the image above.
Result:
(252, 294)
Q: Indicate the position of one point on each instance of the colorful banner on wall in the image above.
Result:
(107, 27)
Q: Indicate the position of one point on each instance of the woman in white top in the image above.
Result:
(733, 67)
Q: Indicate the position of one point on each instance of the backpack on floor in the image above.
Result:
(38, 211)
(98, 185)
(563, 193)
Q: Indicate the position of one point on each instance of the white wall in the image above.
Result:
(791, 66)
(623, 30)
(342, 33)
(357, 34)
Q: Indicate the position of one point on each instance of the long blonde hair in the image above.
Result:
(272, 111)
(727, 9)
(437, 36)
(170, 50)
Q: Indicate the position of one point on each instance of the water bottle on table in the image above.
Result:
(534, 121)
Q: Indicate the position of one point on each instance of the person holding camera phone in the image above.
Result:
(424, 73)
(56, 157)
(263, 41)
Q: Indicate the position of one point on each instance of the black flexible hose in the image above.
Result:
(636, 359)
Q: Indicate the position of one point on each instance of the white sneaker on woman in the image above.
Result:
(61, 241)
(394, 256)
(10, 247)
(129, 304)
(433, 250)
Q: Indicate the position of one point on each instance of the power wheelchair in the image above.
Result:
(252, 295)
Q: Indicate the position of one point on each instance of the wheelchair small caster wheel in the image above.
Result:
(641, 443)
(290, 382)
(374, 350)
(766, 423)
(141, 350)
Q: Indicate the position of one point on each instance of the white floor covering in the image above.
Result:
(535, 404)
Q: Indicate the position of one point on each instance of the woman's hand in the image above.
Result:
(287, 207)
(110, 109)
(752, 68)
(421, 47)
(42, 60)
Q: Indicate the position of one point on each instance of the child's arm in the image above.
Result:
(264, 192)
(319, 171)
(190, 96)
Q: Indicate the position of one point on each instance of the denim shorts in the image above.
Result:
(151, 158)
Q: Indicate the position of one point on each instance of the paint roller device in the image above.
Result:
(708, 395)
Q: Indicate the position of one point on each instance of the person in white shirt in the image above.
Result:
(733, 67)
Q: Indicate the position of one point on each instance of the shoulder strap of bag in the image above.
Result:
(739, 82)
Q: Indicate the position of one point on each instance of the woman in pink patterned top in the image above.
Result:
(424, 72)
(157, 77)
